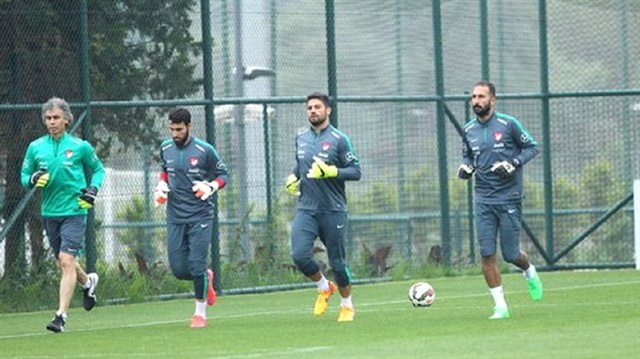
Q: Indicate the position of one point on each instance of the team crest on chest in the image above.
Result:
(68, 153)
(193, 161)
(497, 136)
(325, 145)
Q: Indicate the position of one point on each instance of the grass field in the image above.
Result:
(582, 315)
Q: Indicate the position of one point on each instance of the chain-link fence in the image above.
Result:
(123, 65)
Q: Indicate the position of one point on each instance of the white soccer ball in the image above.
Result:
(421, 294)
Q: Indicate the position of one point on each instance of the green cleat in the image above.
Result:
(500, 313)
(535, 287)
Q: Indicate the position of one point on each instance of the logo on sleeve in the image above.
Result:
(350, 157)
(524, 138)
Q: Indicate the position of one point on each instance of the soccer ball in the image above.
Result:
(421, 294)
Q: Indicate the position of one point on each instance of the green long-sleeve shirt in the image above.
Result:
(65, 160)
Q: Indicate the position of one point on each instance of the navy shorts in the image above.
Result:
(188, 247)
(331, 229)
(504, 219)
(66, 234)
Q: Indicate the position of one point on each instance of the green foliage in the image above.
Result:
(39, 290)
(271, 262)
(600, 185)
(127, 284)
(140, 241)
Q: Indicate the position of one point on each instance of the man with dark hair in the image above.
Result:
(192, 173)
(495, 148)
(55, 163)
(325, 159)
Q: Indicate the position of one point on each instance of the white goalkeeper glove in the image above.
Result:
(161, 193)
(503, 169)
(465, 171)
(204, 190)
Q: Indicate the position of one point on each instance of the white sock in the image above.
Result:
(323, 284)
(530, 272)
(346, 302)
(201, 309)
(498, 297)
(87, 284)
(61, 314)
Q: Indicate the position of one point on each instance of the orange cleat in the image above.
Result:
(211, 293)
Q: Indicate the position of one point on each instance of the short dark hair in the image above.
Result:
(485, 83)
(326, 100)
(180, 115)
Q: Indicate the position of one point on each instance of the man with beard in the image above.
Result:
(495, 148)
(325, 159)
(55, 163)
(192, 173)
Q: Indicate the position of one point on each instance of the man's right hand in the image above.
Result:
(293, 185)
(39, 178)
(465, 171)
(161, 193)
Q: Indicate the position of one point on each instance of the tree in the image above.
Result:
(139, 49)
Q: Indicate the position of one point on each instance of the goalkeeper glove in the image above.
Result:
(161, 193)
(503, 169)
(293, 185)
(39, 178)
(465, 171)
(88, 197)
(204, 190)
(321, 169)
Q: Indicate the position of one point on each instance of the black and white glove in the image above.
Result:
(88, 197)
(503, 169)
(465, 171)
(39, 178)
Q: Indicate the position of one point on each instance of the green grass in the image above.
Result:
(582, 315)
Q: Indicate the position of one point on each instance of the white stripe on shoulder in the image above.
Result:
(199, 147)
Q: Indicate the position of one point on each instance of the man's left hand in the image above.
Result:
(321, 169)
(204, 190)
(88, 197)
(503, 169)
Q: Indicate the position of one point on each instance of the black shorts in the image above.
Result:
(66, 234)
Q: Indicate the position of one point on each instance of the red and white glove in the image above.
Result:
(204, 190)
(161, 193)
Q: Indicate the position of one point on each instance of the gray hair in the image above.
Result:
(56, 102)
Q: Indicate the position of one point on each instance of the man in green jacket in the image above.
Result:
(55, 163)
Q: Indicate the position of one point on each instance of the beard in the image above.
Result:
(481, 111)
(317, 121)
(180, 141)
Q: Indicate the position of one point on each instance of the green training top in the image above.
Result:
(64, 159)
